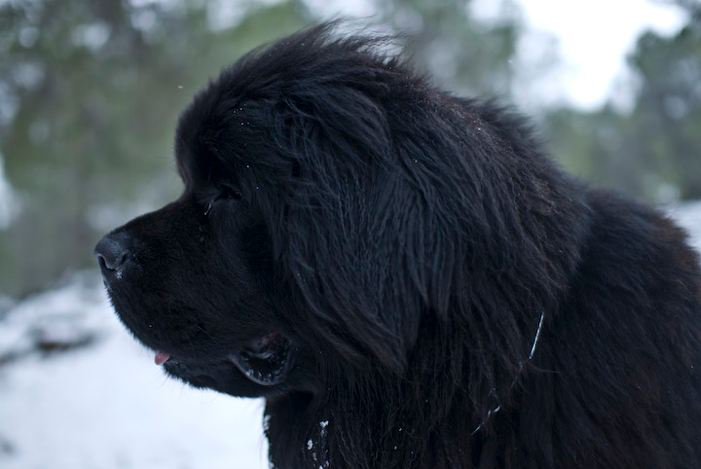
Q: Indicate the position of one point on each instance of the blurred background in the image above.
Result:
(90, 91)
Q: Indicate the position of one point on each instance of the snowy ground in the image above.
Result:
(689, 217)
(76, 391)
(107, 406)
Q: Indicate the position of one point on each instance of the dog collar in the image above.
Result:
(534, 346)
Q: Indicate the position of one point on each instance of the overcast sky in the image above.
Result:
(591, 39)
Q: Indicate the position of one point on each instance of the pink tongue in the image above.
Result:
(161, 358)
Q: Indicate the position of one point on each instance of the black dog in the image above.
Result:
(407, 279)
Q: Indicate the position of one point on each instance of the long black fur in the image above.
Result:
(411, 241)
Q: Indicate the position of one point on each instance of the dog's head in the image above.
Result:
(334, 205)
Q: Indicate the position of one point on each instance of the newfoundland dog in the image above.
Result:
(407, 279)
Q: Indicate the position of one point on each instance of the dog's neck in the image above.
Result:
(419, 423)
(466, 371)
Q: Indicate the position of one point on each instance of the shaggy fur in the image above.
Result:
(407, 243)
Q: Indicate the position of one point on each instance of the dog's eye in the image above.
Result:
(224, 193)
(228, 193)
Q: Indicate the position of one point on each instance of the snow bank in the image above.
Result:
(689, 217)
(108, 406)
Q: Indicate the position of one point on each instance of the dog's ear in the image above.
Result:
(343, 226)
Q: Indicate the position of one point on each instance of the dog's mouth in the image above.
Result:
(264, 360)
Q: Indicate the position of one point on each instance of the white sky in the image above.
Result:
(593, 38)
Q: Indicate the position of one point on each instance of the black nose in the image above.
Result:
(113, 251)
